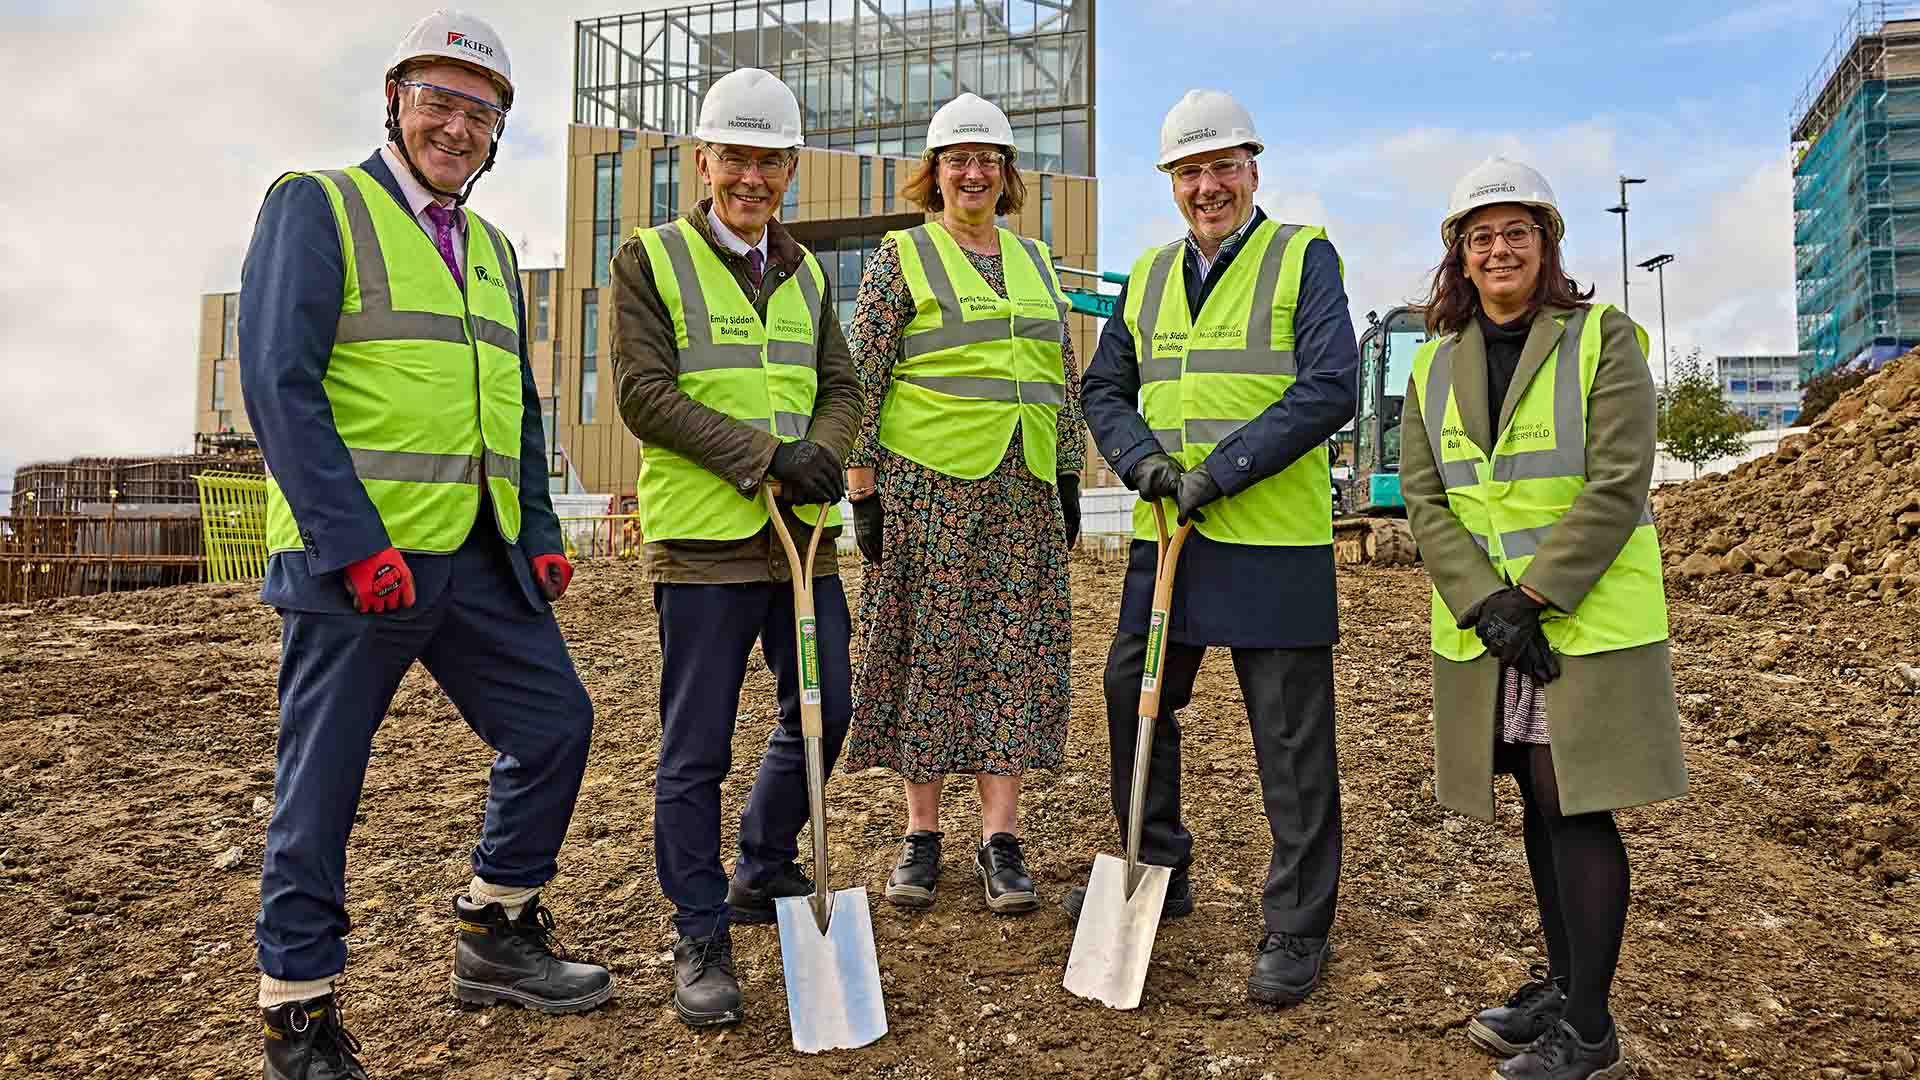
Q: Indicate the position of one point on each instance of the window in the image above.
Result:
(230, 333)
(1738, 386)
(866, 185)
(664, 193)
(542, 301)
(1046, 210)
(886, 187)
(1763, 385)
(219, 385)
(589, 353)
(606, 213)
(790, 202)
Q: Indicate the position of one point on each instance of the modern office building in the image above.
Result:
(869, 75)
(220, 406)
(1765, 389)
(1856, 193)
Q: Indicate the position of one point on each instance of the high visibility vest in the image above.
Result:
(762, 374)
(973, 363)
(424, 380)
(1511, 502)
(1201, 381)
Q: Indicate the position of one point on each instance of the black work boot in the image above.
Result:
(754, 903)
(1287, 968)
(1509, 1029)
(305, 1041)
(498, 960)
(1178, 901)
(705, 991)
(1560, 1055)
(1002, 870)
(917, 874)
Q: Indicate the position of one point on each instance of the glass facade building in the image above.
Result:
(869, 73)
(1764, 389)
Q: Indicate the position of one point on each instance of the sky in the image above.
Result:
(142, 136)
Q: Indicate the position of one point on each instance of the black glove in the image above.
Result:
(1197, 489)
(1155, 477)
(1537, 661)
(1070, 506)
(807, 473)
(869, 518)
(1506, 621)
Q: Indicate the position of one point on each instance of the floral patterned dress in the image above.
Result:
(967, 622)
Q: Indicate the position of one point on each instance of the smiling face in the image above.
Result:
(747, 182)
(1214, 195)
(971, 191)
(1504, 275)
(447, 148)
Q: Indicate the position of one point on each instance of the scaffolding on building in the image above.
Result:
(1856, 193)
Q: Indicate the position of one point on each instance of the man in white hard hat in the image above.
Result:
(732, 372)
(387, 379)
(1236, 344)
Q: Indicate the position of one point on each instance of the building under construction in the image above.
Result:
(1856, 193)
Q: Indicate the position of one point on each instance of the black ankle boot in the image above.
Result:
(305, 1041)
(498, 960)
(1002, 869)
(1287, 969)
(754, 904)
(916, 875)
(1178, 902)
(705, 990)
(1560, 1055)
(1509, 1029)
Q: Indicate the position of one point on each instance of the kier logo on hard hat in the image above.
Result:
(465, 42)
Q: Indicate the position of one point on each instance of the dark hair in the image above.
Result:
(923, 185)
(1452, 301)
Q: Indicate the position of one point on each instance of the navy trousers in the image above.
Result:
(506, 669)
(706, 635)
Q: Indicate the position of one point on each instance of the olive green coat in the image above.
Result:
(1614, 727)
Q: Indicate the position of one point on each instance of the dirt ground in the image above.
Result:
(1774, 932)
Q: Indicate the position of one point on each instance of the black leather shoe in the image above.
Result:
(753, 904)
(1287, 969)
(1002, 870)
(1560, 1055)
(503, 961)
(305, 1041)
(1178, 902)
(705, 990)
(1509, 1029)
(917, 874)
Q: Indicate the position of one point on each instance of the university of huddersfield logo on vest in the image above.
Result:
(1219, 336)
(1535, 435)
(788, 326)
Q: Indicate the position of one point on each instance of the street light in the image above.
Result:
(1626, 298)
(1658, 264)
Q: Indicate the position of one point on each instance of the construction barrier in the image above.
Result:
(600, 536)
(233, 525)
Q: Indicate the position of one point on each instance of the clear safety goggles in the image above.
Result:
(440, 104)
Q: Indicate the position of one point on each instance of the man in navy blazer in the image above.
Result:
(357, 606)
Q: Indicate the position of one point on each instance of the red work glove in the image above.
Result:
(554, 573)
(380, 584)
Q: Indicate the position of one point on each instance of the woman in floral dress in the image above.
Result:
(966, 499)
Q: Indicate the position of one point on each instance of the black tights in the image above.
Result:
(1580, 879)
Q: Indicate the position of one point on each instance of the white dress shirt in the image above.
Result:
(419, 198)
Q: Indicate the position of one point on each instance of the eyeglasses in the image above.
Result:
(962, 160)
(440, 105)
(734, 163)
(1518, 238)
(1224, 170)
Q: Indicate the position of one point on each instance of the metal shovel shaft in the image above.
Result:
(822, 899)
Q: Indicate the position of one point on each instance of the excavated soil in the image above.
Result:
(1775, 930)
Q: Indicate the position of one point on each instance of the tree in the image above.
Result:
(1696, 425)
(1826, 388)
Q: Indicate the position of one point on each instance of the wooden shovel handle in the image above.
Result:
(806, 643)
(1167, 560)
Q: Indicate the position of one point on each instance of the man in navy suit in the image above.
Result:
(387, 379)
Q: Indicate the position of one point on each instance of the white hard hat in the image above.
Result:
(749, 107)
(1500, 180)
(970, 118)
(455, 35)
(1206, 120)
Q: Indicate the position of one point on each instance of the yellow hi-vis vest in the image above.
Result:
(762, 374)
(1511, 502)
(1201, 381)
(972, 363)
(425, 378)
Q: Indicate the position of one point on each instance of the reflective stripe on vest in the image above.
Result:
(1195, 398)
(762, 373)
(428, 413)
(962, 385)
(1511, 502)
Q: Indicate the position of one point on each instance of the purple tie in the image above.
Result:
(442, 218)
(756, 268)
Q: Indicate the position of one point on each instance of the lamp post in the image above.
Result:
(1626, 298)
(1658, 265)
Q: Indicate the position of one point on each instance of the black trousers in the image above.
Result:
(1289, 698)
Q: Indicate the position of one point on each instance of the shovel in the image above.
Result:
(826, 940)
(1113, 941)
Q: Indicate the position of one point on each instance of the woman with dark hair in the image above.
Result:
(966, 501)
(1527, 454)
